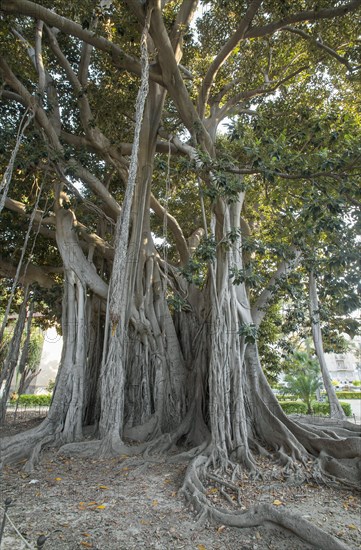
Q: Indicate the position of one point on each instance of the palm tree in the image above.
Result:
(304, 379)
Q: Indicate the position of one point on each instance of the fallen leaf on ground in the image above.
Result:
(155, 502)
(86, 544)
(351, 526)
(104, 487)
(277, 502)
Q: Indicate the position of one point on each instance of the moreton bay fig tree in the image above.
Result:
(178, 146)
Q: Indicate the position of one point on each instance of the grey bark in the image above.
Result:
(336, 410)
(12, 357)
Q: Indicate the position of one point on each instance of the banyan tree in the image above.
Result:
(168, 140)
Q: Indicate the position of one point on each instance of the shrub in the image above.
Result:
(348, 394)
(285, 397)
(297, 407)
(356, 383)
(33, 400)
(324, 408)
(290, 407)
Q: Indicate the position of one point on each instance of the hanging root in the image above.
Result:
(195, 492)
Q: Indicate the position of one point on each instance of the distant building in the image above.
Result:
(344, 367)
(49, 362)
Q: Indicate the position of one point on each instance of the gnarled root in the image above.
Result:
(27, 445)
(195, 492)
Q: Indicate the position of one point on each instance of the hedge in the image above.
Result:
(348, 394)
(324, 408)
(340, 395)
(290, 407)
(297, 407)
(33, 400)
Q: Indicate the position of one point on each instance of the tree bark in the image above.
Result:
(12, 358)
(336, 411)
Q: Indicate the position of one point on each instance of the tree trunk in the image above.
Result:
(336, 410)
(25, 351)
(12, 357)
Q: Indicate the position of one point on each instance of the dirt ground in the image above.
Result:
(127, 504)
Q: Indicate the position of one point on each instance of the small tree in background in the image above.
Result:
(304, 379)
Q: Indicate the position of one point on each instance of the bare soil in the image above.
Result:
(126, 504)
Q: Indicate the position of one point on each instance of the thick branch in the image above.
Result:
(117, 152)
(223, 55)
(309, 15)
(321, 45)
(73, 256)
(93, 183)
(32, 103)
(46, 83)
(90, 238)
(34, 274)
(184, 17)
(39, 56)
(248, 94)
(259, 309)
(86, 117)
(174, 81)
(119, 57)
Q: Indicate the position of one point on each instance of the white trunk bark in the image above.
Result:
(336, 410)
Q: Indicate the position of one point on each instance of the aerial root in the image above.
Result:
(195, 493)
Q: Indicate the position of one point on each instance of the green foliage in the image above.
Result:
(193, 272)
(206, 249)
(29, 400)
(4, 347)
(317, 408)
(304, 379)
(293, 133)
(50, 387)
(348, 394)
(35, 350)
(269, 334)
(248, 332)
(247, 276)
(293, 407)
(356, 383)
(196, 269)
(324, 408)
(176, 303)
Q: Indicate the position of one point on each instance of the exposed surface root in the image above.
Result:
(27, 445)
(343, 428)
(99, 449)
(195, 492)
